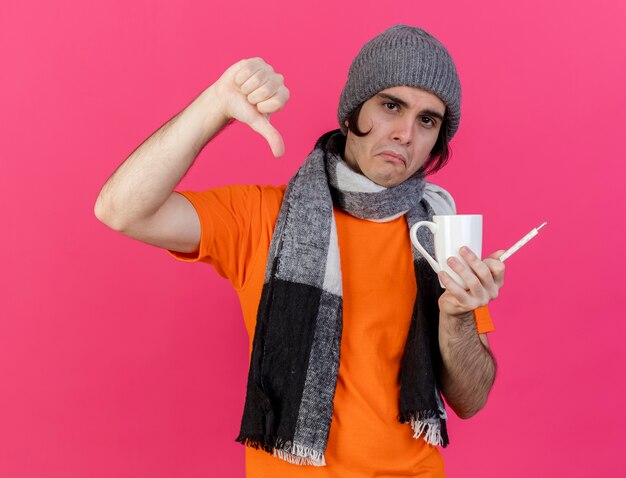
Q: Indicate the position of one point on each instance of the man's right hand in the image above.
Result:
(138, 199)
(249, 91)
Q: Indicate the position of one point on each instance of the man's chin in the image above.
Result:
(386, 182)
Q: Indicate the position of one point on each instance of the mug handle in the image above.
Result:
(413, 233)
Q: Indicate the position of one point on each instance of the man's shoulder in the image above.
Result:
(248, 188)
(237, 198)
(249, 191)
(256, 197)
(439, 199)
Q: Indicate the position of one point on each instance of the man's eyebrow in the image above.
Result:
(404, 104)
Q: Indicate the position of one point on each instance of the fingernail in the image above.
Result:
(453, 261)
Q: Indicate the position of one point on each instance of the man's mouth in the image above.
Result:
(393, 156)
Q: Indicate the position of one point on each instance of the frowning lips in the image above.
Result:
(393, 155)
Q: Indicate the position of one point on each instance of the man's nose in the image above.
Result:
(403, 130)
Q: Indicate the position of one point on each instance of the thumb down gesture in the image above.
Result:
(249, 91)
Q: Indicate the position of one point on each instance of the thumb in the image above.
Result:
(263, 126)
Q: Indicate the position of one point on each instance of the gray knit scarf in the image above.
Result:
(295, 353)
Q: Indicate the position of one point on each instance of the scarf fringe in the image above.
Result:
(285, 450)
(301, 455)
(262, 443)
(427, 424)
(433, 431)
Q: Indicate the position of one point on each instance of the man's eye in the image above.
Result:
(428, 121)
(391, 106)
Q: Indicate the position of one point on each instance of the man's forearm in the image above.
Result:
(144, 181)
(468, 369)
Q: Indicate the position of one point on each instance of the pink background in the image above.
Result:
(117, 361)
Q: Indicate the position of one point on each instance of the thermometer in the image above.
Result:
(521, 242)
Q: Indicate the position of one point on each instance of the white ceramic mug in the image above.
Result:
(450, 233)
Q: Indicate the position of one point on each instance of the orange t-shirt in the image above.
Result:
(366, 439)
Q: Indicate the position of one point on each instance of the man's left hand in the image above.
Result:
(484, 279)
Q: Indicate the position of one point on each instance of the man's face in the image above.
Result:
(403, 124)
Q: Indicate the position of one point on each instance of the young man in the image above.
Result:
(353, 341)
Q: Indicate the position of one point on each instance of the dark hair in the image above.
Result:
(438, 156)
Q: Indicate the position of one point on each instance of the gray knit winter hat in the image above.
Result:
(402, 55)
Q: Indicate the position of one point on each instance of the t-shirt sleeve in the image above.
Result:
(483, 320)
(233, 220)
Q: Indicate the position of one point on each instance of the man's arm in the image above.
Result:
(468, 366)
(138, 199)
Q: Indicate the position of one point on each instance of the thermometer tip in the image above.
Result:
(542, 225)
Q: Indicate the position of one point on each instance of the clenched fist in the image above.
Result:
(249, 91)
